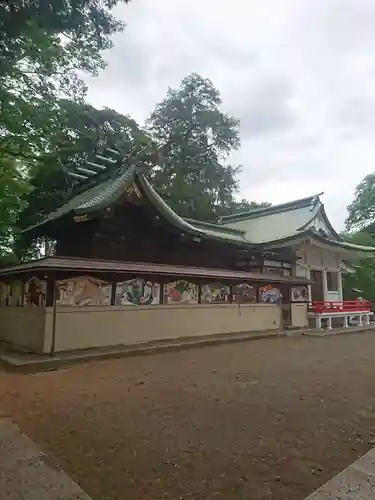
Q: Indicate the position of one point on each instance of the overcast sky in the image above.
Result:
(299, 74)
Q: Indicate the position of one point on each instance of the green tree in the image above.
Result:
(244, 205)
(42, 47)
(361, 212)
(195, 138)
(13, 186)
(362, 281)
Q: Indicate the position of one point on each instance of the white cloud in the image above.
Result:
(299, 75)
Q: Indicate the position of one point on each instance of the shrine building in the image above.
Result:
(127, 269)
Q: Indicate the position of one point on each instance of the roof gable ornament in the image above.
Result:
(87, 169)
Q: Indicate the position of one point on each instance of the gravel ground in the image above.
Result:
(272, 418)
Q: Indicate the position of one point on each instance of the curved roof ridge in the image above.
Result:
(281, 207)
(187, 225)
(212, 225)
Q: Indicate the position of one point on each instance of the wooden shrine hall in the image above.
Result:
(127, 269)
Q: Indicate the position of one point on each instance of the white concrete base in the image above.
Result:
(357, 482)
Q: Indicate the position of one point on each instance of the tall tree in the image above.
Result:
(42, 47)
(361, 212)
(13, 186)
(360, 225)
(195, 138)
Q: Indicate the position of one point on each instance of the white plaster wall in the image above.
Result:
(313, 257)
(334, 296)
(319, 258)
(301, 270)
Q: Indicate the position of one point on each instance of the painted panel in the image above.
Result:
(181, 292)
(16, 292)
(270, 294)
(215, 292)
(246, 293)
(299, 294)
(4, 294)
(35, 292)
(84, 291)
(137, 292)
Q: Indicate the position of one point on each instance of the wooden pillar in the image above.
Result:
(161, 291)
(325, 284)
(50, 294)
(113, 293)
(339, 280)
(257, 298)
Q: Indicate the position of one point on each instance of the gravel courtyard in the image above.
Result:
(268, 419)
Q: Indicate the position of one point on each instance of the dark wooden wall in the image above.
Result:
(135, 233)
(138, 233)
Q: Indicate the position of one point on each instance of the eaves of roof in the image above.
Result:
(298, 237)
(141, 268)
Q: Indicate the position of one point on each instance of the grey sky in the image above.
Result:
(300, 75)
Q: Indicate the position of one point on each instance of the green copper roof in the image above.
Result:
(273, 223)
(188, 225)
(271, 227)
(309, 201)
(96, 197)
(110, 190)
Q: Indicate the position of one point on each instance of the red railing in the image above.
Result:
(323, 306)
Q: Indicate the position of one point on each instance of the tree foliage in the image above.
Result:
(195, 138)
(13, 186)
(362, 281)
(238, 207)
(360, 225)
(42, 46)
(361, 212)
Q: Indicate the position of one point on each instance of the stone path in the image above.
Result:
(28, 474)
(357, 482)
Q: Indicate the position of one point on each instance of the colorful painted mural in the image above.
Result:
(137, 292)
(246, 293)
(35, 292)
(16, 293)
(181, 292)
(299, 294)
(84, 291)
(4, 294)
(215, 292)
(270, 294)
